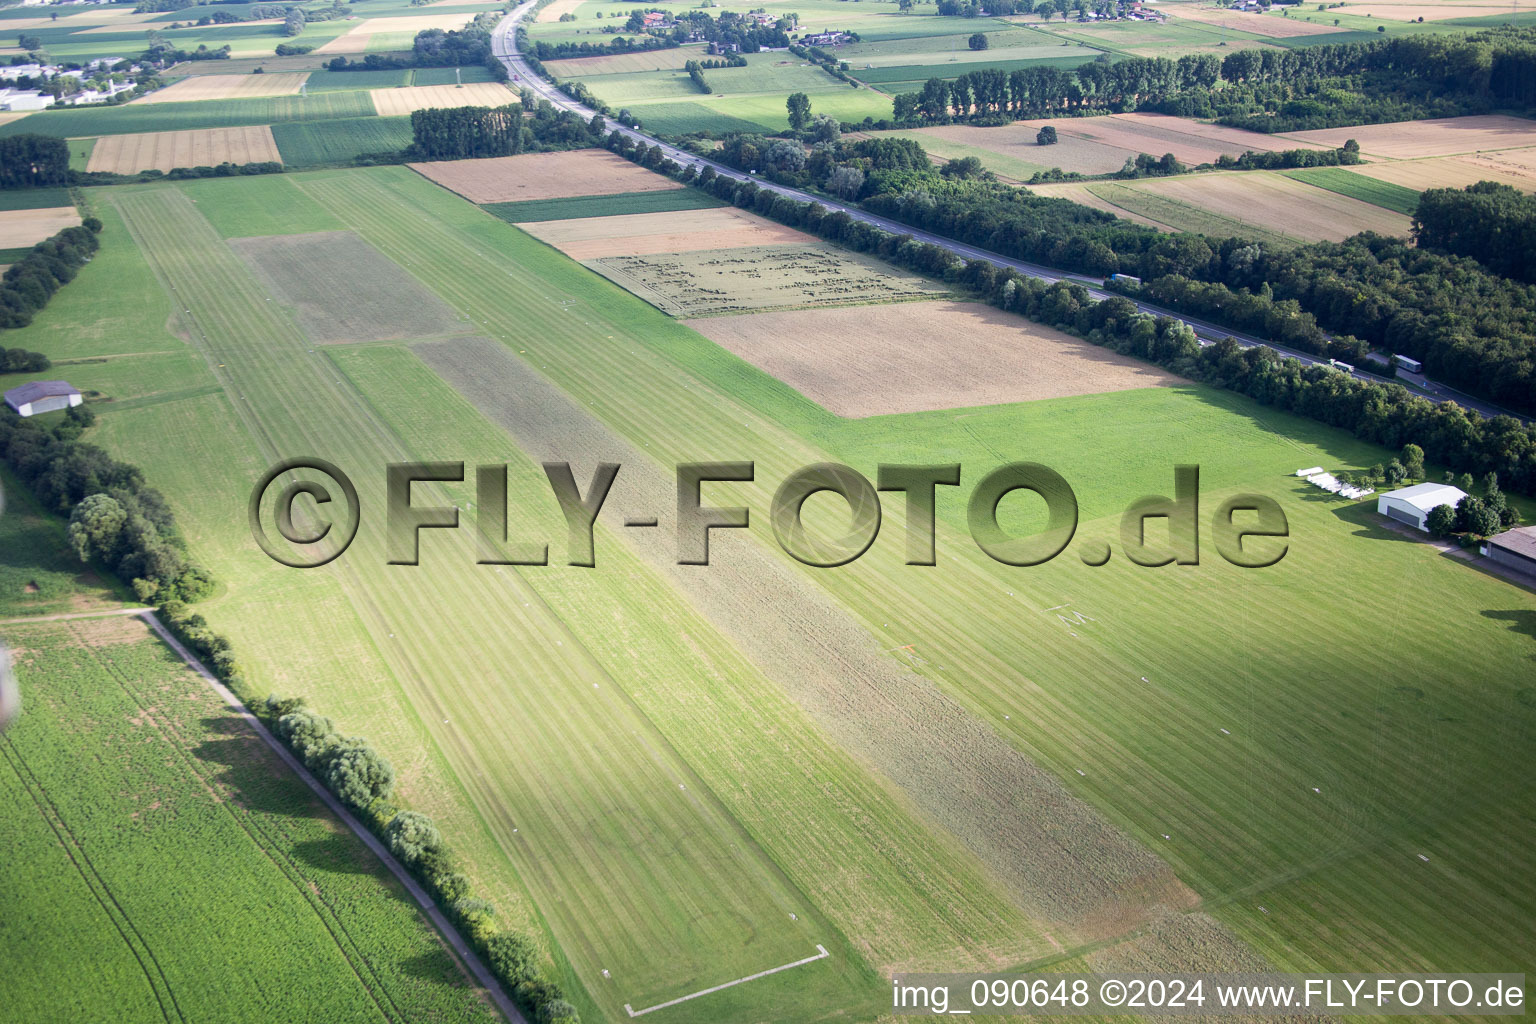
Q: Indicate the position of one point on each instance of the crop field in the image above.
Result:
(164, 117)
(227, 87)
(910, 78)
(123, 766)
(34, 198)
(399, 102)
(624, 63)
(308, 143)
(716, 282)
(21, 228)
(582, 172)
(330, 81)
(874, 361)
(205, 147)
(691, 116)
(1357, 186)
(1443, 137)
(954, 767)
(1257, 204)
(644, 234)
(605, 206)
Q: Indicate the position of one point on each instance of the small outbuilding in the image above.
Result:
(43, 396)
(1412, 505)
(1513, 548)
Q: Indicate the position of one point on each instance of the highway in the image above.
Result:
(504, 46)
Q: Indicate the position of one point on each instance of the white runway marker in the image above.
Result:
(821, 954)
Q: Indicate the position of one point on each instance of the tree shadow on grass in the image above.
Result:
(255, 776)
(341, 853)
(1521, 620)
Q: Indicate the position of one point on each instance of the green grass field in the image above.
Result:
(308, 143)
(1357, 186)
(149, 834)
(330, 81)
(661, 766)
(34, 198)
(663, 201)
(164, 117)
(38, 573)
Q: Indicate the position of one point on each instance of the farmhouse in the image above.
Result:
(1412, 505)
(1515, 549)
(42, 396)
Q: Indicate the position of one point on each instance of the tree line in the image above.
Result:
(435, 48)
(461, 133)
(1264, 90)
(364, 779)
(1492, 223)
(33, 161)
(731, 28)
(1382, 413)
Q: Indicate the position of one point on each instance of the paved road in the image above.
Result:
(504, 45)
(447, 930)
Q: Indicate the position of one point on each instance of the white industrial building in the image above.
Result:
(43, 396)
(1412, 505)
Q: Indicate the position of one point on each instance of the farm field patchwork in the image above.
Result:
(21, 228)
(1345, 182)
(643, 234)
(162, 117)
(812, 788)
(204, 147)
(1442, 137)
(1258, 204)
(715, 282)
(359, 37)
(503, 179)
(1448, 172)
(139, 807)
(1253, 23)
(227, 87)
(879, 360)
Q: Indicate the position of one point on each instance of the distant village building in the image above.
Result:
(655, 19)
(17, 99)
(1515, 549)
(43, 396)
(1412, 505)
(720, 48)
(825, 39)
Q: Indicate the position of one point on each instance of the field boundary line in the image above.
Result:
(821, 954)
(27, 620)
(451, 934)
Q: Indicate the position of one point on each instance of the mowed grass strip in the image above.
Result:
(604, 206)
(311, 144)
(148, 825)
(34, 198)
(160, 117)
(1357, 186)
(624, 847)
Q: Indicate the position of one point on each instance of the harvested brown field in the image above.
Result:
(22, 228)
(355, 39)
(201, 147)
(554, 10)
(718, 282)
(1440, 137)
(1273, 26)
(1100, 145)
(7, 116)
(1413, 12)
(510, 179)
(918, 356)
(641, 234)
(392, 102)
(343, 289)
(228, 87)
(617, 63)
(1279, 203)
(1080, 192)
(1455, 171)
